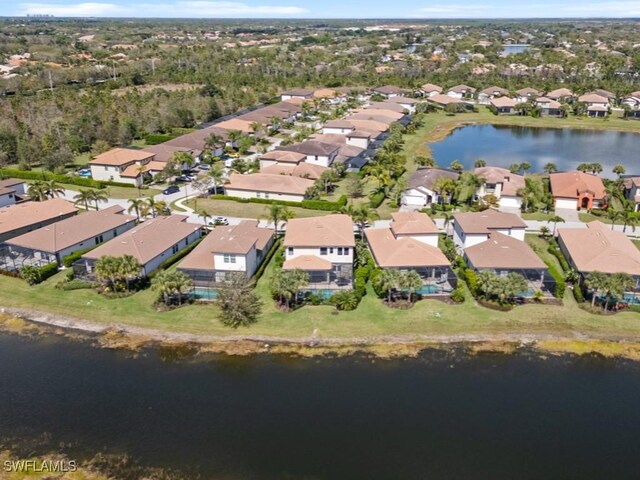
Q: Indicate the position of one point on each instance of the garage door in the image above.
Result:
(569, 204)
(415, 200)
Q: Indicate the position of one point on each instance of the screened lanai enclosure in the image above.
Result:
(13, 257)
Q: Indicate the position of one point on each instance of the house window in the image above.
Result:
(266, 195)
(323, 250)
(115, 232)
(174, 249)
(229, 258)
(258, 195)
(290, 251)
(331, 250)
(339, 250)
(98, 239)
(346, 250)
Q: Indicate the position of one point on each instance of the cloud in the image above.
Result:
(181, 8)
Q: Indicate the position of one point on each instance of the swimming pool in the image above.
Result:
(203, 294)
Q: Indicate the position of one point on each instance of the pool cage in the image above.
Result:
(13, 258)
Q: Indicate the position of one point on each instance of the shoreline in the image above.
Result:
(118, 336)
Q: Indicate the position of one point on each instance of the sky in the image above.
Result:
(323, 8)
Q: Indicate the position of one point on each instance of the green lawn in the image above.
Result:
(371, 319)
(229, 208)
(540, 216)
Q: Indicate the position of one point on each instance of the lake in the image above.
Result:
(503, 145)
(439, 416)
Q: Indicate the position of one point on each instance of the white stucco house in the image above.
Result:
(472, 228)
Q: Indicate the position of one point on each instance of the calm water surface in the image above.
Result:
(440, 416)
(567, 148)
(513, 49)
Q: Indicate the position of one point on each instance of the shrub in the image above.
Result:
(376, 200)
(156, 138)
(577, 293)
(361, 278)
(555, 251)
(458, 295)
(472, 280)
(75, 285)
(561, 286)
(34, 275)
(308, 204)
(72, 257)
(375, 273)
(178, 256)
(270, 254)
(345, 300)
(279, 260)
(66, 179)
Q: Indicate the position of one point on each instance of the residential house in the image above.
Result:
(442, 101)
(164, 153)
(421, 187)
(560, 95)
(488, 94)
(548, 107)
(24, 217)
(461, 92)
(527, 94)
(124, 165)
(330, 96)
(600, 249)
(576, 190)
(225, 250)
(610, 96)
(503, 254)
(429, 90)
(503, 104)
(632, 191)
(387, 106)
(317, 153)
(12, 190)
(267, 185)
(501, 183)
(471, 228)
(341, 127)
(276, 157)
(408, 104)
(304, 93)
(324, 247)
(389, 91)
(197, 141)
(597, 106)
(632, 102)
(151, 243)
(411, 243)
(55, 241)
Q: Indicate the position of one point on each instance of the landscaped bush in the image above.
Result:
(34, 275)
(177, 257)
(308, 204)
(360, 282)
(69, 180)
(577, 293)
(458, 295)
(471, 278)
(263, 266)
(156, 138)
(555, 251)
(72, 257)
(561, 286)
(376, 200)
(345, 300)
(75, 284)
(279, 260)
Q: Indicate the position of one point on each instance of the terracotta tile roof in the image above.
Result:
(572, 184)
(559, 93)
(326, 93)
(387, 106)
(368, 125)
(338, 124)
(303, 92)
(388, 89)
(147, 240)
(430, 87)
(66, 233)
(164, 152)
(443, 99)
(597, 248)
(399, 99)
(495, 90)
(412, 223)
(462, 89)
(334, 230)
(552, 103)
(22, 215)
(372, 116)
(307, 262)
(592, 98)
(283, 156)
(11, 182)
(528, 91)
(375, 113)
(502, 102)
(391, 252)
(311, 147)
(503, 252)
(264, 182)
(121, 156)
(196, 140)
(236, 239)
(303, 170)
(511, 182)
(427, 177)
(487, 220)
(236, 124)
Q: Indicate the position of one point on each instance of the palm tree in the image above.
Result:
(184, 160)
(448, 221)
(38, 191)
(613, 215)
(595, 282)
(411, 282)
(152, 204)
(362, 215)
(619, 170)
(99, 196)
(544, 231)
(629, 219)
(234, 136)
(216, 173)
(388, 280)
(480, 163)
(550, 167)
(84, 196)
(444, 187)
(456, 166)
(53, 189)
(555, 220)
(171, 283)
(278, 213)
(596, 168)
(204, 215)
(137, 205)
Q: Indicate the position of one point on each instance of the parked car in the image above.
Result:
(184, 178)
(171, 189)
(85, 173)
(219, 221)
(219, 190)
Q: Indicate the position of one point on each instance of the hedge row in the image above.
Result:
(48, 176)
(308, 204)
(555, 251)
(561, 286)
(266, 260)
(172, 260)
(72, 257)
(34, 275)
(376, 200)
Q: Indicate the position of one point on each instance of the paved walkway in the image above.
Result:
(569, 215)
